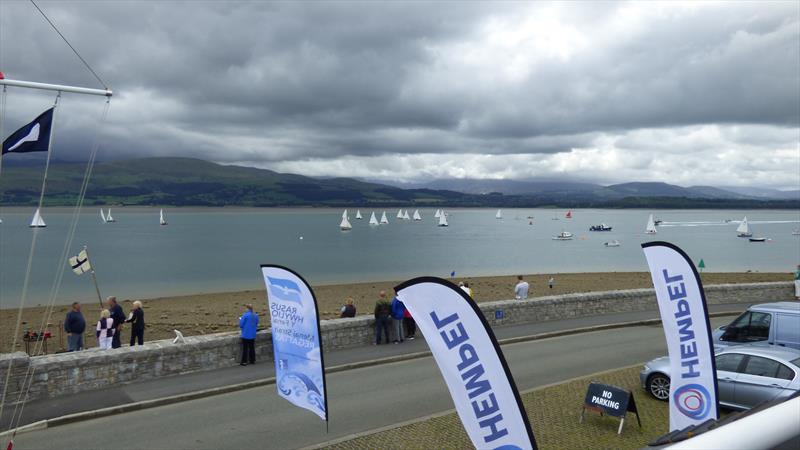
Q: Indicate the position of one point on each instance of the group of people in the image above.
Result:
(392, 318)
(522, 287)
(108, 329)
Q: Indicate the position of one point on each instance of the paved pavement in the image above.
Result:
(359, 399)
(181, 384)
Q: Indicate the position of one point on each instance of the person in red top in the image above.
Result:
(411, 325)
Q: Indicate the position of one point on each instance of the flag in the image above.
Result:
(471, 362)
(80, 264)
(33, 137)
(296, 340)
(693, 395)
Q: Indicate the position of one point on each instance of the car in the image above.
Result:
(746, 375)
(775, 324)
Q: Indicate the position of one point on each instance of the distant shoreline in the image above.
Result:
(217, 312)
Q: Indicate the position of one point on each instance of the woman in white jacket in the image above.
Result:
(105, 330)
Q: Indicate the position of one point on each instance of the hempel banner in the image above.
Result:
(684, 315)
(471, 362)
(299, 367)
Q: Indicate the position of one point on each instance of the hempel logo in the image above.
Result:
(693, 401)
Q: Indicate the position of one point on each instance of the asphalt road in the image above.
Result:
(359, 400)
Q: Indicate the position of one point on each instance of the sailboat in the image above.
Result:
(499, 214)
(103, 216)
(569, 214)
(406, 216)
(438, 213)
(744, 229)
(384, 220)
(37, 221)
(651, 226)
(400, 214)
(372, 219)
(108, 216)
(416, 215)
(442, 219)
(345, 225)
(161, 219)
(358, 214)
(795, 232)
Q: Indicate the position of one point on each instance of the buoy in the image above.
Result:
(301, 238)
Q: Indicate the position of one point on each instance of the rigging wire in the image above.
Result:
(70, 45)
(19, 407)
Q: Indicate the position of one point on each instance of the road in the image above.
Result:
(360, 400)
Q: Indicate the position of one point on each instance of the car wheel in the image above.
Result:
(658, 386)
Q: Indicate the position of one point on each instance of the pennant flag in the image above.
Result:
(33, 137)
(684, 315)
(80, 264)
(296, 340)
(471, 363)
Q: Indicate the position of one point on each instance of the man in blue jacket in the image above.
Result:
(398, 312)
(248, 323)
(75, 325)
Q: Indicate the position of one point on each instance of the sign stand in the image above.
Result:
(611, 400)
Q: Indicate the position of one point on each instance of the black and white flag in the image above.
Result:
(33, 137)
(80, 264)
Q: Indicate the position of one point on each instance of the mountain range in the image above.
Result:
(187, 181)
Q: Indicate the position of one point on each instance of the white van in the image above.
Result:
(769, 323)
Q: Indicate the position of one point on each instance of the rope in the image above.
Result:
(19, 407)
(70, 45)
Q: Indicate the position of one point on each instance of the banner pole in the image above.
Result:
(94, 278)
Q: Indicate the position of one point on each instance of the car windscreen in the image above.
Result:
(751, 326)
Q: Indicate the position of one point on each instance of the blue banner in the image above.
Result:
(299, 367)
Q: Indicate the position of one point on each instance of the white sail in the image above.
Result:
(103, 216)
(400, 214)
(499, 214)
(161, 219)
(406, 216)
(438, 213)
(372, 219)
(384, 220)
(345, 225)
(416, 215)
(37, 221)
(109, 218)
(358, 214)
(744, 228)
(651, 225)
(442, 219)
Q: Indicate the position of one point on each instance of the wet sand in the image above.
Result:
(218, 312)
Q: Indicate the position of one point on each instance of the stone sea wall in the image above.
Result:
(69, 373)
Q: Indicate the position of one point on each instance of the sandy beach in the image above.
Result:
(218, 312)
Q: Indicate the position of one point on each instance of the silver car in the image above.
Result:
(746, 375)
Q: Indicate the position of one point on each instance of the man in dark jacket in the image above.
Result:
(75, 325)
(137, 323)
(382, 312)
(119, 318)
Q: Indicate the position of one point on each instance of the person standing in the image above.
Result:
(348, 310)
(382, 312)
(75, 325)
(137, 323)
(398, 312)
(797, 283)
(551, 282)
(468, 289)
(248, 323)
(411, 325)
(521, 289)
(118, 315)
(105, 330)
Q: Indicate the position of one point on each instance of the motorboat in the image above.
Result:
(614, 243)
(563, 236)
(601, 227)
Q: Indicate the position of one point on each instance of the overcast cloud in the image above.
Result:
(687, 93)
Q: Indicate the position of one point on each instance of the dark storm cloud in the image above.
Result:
(264, 83)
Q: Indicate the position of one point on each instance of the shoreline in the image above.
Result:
(197, 314)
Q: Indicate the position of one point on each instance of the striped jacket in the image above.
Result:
(105, 327)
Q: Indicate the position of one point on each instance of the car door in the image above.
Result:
(759, 382)
(727, 366)
(787, 330)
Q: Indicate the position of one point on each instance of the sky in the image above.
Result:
(699, 93)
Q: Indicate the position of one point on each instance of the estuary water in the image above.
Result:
(220, 249)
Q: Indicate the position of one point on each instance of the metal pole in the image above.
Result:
(56, 87)
(94, 278)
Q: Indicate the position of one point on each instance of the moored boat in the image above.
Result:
(601, 227)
